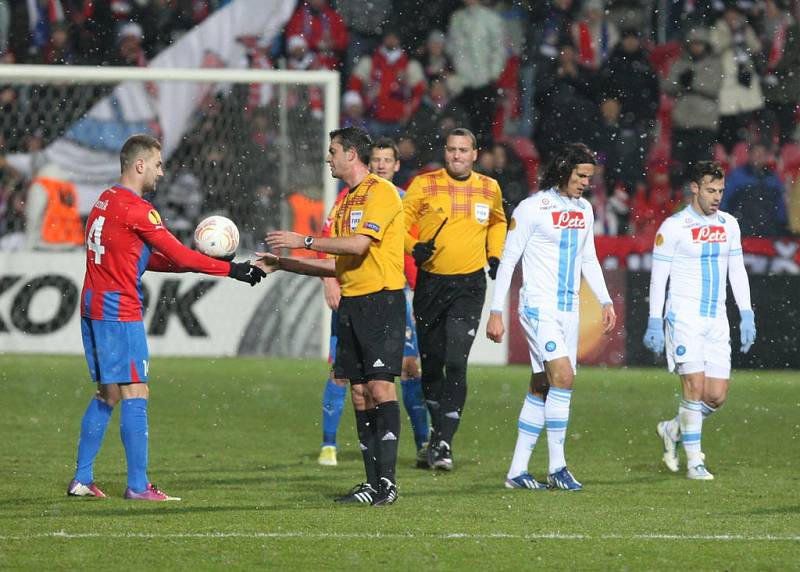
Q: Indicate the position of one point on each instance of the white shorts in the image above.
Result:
(551, 334)
(698, 344)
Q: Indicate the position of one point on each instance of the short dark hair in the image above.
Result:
(134, 147)
(387, 143)
(700, 169)
(559, 169)
(354, 138)
(464, 132)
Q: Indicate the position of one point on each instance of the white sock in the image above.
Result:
(556, 414)
(674, 425)
(531, 421)
(691, 420)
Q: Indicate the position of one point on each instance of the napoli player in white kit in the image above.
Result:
(552, 232)
(697, 249)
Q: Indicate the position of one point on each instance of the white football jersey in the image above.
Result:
(554, 236)
(697, 247)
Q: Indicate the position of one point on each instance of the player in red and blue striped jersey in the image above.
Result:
(124, 237)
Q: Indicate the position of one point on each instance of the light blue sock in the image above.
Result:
(416, 409)
(332, 407)
(133, 430)
(93, 428)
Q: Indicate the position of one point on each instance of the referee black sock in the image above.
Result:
(432, 391)
(366, 425)
(451, 406)
(388, 438)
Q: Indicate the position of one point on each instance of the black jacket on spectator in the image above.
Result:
(630, 79)
(756, 198)
(429, 126)
(567, 107)
(513, 180)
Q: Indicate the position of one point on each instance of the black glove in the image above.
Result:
(494, 264)
(246, 272)
(686, 77)
(745, 76)
(422, 251)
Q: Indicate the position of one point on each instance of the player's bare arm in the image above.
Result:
(332, 291)
(357, 244)
(495, 328)
(609, 318)
(269, 263)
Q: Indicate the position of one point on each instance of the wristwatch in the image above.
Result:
(308, 242)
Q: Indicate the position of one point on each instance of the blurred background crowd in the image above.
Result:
(650, 85)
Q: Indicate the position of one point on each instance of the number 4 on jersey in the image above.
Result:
(94, 237)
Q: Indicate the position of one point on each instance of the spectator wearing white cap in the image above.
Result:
(435, 61)
(129, 46)
(300, 57)
(353, 110)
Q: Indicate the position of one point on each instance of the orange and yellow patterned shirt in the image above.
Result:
(475, 227)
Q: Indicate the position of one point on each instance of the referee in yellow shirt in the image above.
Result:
(366, 245)
(462, 227)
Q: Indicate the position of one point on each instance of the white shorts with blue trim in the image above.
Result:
(551, 334)
(698, 340)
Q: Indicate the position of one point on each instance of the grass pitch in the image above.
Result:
(238, 440)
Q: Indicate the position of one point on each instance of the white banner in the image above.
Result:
(187, 314)
(89, 151)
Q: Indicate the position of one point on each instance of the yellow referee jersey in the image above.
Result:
(475, 227)
(373, 209)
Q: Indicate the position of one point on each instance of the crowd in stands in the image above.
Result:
(650, 85)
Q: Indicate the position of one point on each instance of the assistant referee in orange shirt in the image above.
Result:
(465, 208)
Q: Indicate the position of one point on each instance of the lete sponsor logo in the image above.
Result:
(709, 234)
(568, 219)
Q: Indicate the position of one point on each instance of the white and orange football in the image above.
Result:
(217, 236)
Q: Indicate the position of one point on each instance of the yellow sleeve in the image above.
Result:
(412, 202)
(496, 234)
(383, 204)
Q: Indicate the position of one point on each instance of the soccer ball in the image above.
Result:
(217, 236)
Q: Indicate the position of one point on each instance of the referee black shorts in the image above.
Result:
(439, 297)
(371, 331)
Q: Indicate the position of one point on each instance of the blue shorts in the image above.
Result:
(410, 347)
(116, 352)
